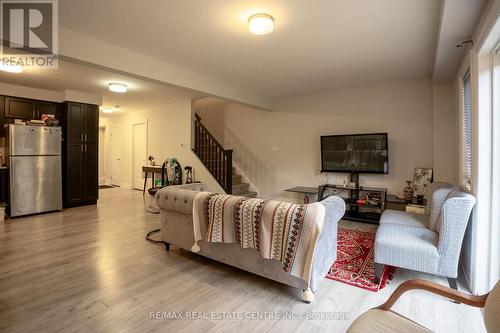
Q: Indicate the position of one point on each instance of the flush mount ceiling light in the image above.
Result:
(117, 87)
(107, 110)
(6, 67)
(261, 24)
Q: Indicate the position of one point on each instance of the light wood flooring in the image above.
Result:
(89, 269)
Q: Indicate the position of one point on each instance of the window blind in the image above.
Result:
(467, 131)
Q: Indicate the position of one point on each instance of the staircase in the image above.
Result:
(241, 188)
(218, 161)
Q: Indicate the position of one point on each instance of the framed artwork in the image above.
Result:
(421, 180)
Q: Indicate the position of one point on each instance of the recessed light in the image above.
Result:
(117, 87)
(261, 24)
(107, 110)
(6, 67)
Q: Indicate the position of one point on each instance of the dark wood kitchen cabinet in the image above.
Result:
(12, 108)
(28, 109)
(20, 108)
(80, 160)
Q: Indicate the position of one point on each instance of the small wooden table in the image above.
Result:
(304, 190)
(150, 169)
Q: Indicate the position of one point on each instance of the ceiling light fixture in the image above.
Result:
(6, 67)
(261, 24)
(107, 110)
(117, 87)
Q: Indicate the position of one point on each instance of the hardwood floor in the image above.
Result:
(89, 269)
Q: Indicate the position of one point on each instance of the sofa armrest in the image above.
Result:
(178, 198)
(325, 253)
(451, 227)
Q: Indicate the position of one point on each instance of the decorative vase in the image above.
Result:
(408, 191)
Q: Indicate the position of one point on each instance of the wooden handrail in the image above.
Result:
(217, 160)
(477, 301)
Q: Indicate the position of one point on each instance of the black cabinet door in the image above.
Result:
(48, 108)
(76, 122)
(20, 108)
(74, 173)
(91, 124)
(90, 182)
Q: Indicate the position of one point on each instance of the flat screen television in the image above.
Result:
(355, 153)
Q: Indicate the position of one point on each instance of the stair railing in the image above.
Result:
(217, 160)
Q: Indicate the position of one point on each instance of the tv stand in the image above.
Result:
(363, 204)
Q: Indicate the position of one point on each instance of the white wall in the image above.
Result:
(169, 135)
(444, 129)
(280, 149)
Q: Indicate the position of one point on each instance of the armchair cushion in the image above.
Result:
(407, 247)
(403, 218)
(378, 321)
(438, 193)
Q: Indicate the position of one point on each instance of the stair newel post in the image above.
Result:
(229, 171)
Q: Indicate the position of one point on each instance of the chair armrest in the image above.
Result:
(477, 301)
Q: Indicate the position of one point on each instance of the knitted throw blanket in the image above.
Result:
(278, 230)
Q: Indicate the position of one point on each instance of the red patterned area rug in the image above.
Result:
(355, 264)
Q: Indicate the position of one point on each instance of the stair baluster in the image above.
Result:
(217, 160)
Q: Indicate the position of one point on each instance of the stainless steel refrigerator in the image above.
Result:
(34, 163)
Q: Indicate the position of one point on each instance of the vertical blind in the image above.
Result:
(467, 131)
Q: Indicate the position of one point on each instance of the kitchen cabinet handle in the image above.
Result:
(81, 136)
(86, 137)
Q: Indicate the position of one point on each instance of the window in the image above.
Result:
(467, 132)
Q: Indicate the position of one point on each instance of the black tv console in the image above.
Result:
(363, 204)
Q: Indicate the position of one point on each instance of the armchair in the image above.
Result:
(428, 242)
(382, 319)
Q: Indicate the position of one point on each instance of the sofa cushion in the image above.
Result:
(403, 218)
(378, 321)
(407, 247)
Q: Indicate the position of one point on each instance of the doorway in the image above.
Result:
(139, 153)
(116, 154)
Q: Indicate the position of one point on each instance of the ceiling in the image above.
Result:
(142, 94)
(316, 45)
(458, 21)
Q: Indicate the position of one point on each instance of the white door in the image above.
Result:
(116, 154)
(139, 146)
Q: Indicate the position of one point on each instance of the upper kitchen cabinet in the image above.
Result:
(20, 108)
(25, 109)
(82, 122)
(44, 107)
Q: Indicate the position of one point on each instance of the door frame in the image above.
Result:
(136, 123)
(102, 159)
(119, 127)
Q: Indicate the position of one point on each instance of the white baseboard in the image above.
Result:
(126, 186)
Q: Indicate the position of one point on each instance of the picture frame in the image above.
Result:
(422, 178)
